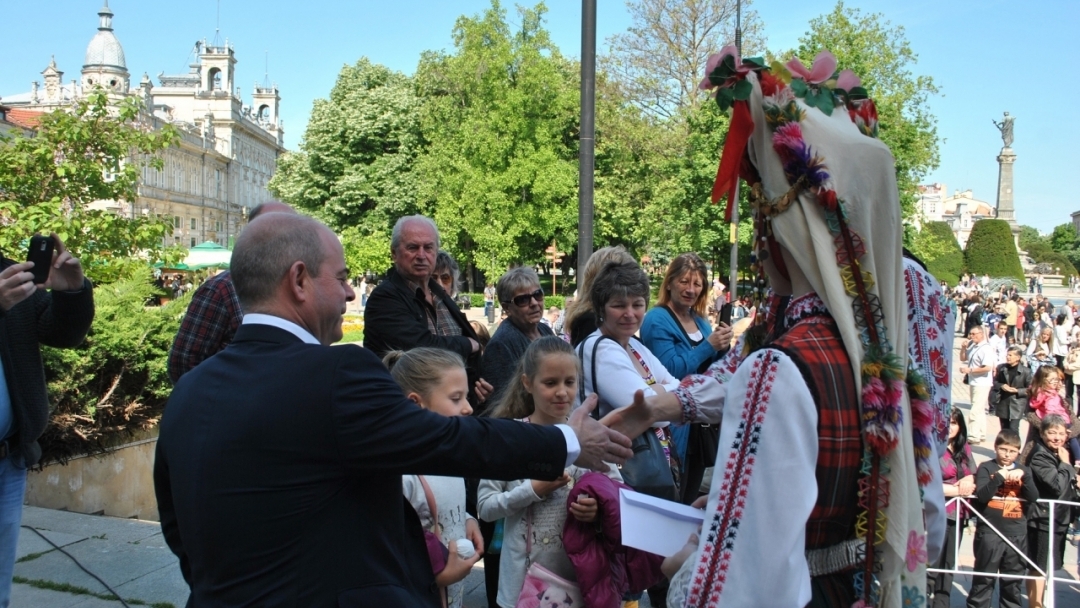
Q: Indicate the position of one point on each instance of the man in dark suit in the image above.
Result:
(411, 309)
(279, 463)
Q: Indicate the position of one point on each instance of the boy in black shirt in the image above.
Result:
(1004, 490)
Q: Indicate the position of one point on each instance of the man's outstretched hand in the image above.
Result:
(637, 417)
(599, 444)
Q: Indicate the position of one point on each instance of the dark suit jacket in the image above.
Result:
(278, 475)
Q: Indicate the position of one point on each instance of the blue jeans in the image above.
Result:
(12, 490)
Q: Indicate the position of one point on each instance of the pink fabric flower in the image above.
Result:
(716, 59)
(822, 69)
(847, 80)
(916, 550)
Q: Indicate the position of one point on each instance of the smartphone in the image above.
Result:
(725, 314)
(41, 254)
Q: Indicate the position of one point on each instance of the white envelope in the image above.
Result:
(656, 525)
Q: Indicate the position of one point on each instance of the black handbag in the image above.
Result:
(648, 471)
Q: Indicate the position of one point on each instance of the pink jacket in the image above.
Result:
(1049, 402)
(605, 569)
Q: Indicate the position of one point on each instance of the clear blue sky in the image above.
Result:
(987, 56)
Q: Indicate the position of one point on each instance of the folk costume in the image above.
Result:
(822, 452)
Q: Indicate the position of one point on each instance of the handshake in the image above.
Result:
(608, 440)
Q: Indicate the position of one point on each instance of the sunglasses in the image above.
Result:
(523, 300)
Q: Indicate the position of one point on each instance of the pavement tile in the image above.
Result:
(113, 528)
(25, 596)
(30, 543)
(115, 563)
(162, 585)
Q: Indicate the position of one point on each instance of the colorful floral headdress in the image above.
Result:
(782, 98)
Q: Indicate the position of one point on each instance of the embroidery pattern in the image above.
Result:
(710, 573)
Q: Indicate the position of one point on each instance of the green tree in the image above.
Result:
(660, 59)
(355, 169)
(93, 151)
(882, 57)
(500, 114)
(990, 251)
(1030, 236)
(1064, 238)
(936, 245)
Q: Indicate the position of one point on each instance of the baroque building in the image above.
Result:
(960, 211)
(227, 149)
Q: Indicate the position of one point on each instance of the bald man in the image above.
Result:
(213, 314)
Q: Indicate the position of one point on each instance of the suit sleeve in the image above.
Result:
(170, 529)
(378, 430)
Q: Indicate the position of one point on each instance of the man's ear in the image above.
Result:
(299, 281)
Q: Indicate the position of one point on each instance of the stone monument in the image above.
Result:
(1006, 158)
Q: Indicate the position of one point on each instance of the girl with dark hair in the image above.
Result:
(958, 477)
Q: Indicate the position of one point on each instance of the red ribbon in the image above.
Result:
(727, 174)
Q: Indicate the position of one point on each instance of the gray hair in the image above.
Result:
(1050, 421)
(266, 250)
(445, 261)
(513, 280)
(395, 235)
(618, 280)
(1016, 350)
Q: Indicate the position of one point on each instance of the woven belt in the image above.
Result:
(837, 558)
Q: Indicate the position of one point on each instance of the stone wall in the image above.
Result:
(119, 483)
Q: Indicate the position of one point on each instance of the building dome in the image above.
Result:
(104, 49)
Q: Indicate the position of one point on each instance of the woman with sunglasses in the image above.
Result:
(523, 302)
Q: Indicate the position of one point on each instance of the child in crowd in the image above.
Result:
(436, 380)
(1045, 398)
(543, 391)
(1004, 492)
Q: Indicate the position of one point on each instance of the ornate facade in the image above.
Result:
(227, 151)
(960, 211)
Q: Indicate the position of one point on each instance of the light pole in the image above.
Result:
(733, 286)
(586, 154)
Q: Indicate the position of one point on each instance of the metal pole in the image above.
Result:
(733, 286)
(586, 155)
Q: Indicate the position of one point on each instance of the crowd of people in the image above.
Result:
(1020, 362)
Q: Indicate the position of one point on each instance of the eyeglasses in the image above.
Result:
(445, 277)
(523, 300)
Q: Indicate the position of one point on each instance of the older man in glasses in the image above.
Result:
(411, 309)
(523, 301)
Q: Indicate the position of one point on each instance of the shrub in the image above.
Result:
(116, 382)
(946, 261)
(991, 251)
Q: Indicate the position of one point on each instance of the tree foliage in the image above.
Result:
(117, 381)
(659, 60)
(500, 115)
(880, 54)
(990, 251)
(93, 152)
(1064, 238)
(1030, 236)
(355, 169)
(936, 245)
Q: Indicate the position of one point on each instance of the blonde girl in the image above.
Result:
(436, 380)
(543, 391)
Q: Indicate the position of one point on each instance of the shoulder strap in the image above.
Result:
(430, 496)
(581, 387)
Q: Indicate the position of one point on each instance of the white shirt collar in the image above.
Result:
(255, 318)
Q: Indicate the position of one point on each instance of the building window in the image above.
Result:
(192, 241)
(194, 224)
(176, 221)
(218, 226)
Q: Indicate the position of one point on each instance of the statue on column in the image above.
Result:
(1006, 128)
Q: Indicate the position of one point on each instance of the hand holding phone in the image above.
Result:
(41, 254)
(725, 314)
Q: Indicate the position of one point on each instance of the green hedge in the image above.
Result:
(116, 382)
(477, 300)
(950, 265)
(991, 251)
